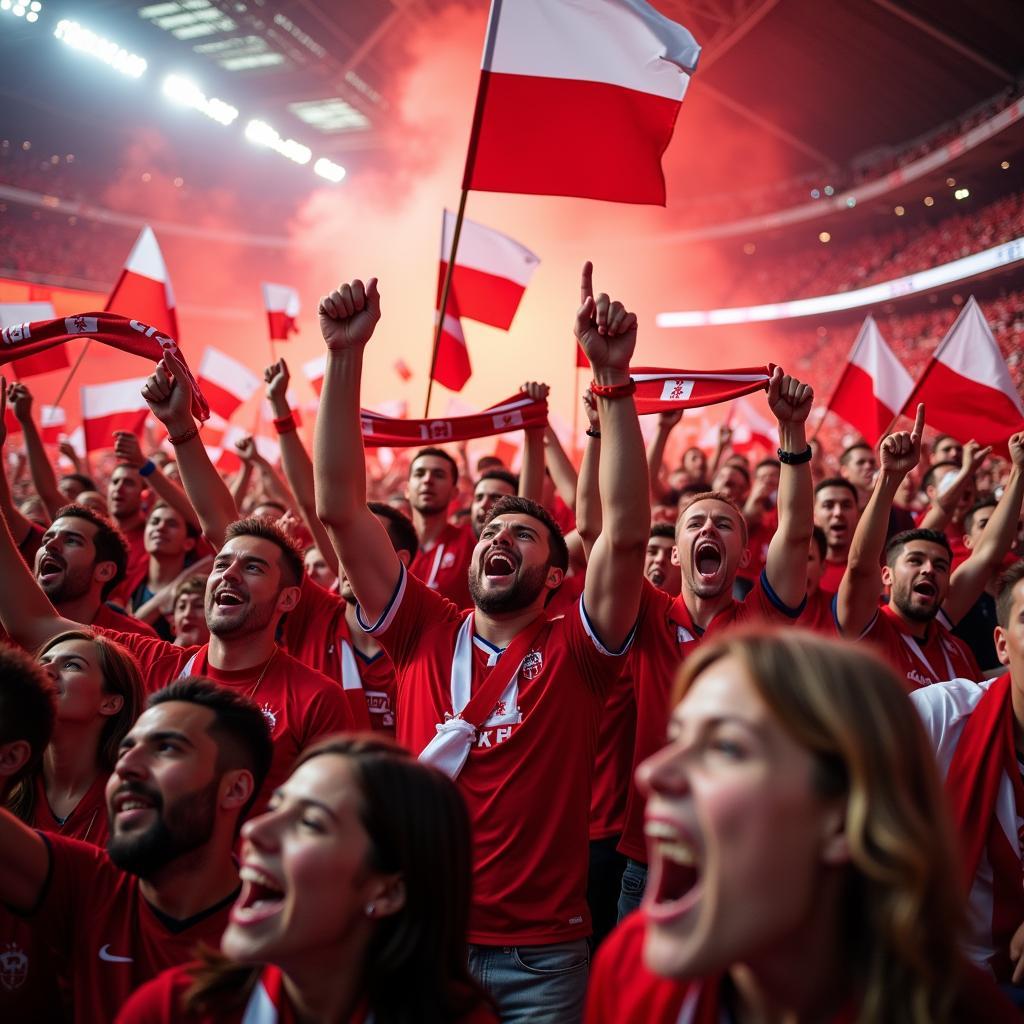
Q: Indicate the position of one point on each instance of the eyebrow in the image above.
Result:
(64, 533)
(305, 801)
(156, 737)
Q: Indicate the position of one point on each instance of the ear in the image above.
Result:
(887, 575)
(389, 898)
(968, 543)
(112, 703)
(103, 571)
(190, 543)
(745, 556)
(235, 789)
(554, 577)
(404, 557)
(288, 599)
(14, 756)
(675, 556)
(1002, 649)
(835, 848)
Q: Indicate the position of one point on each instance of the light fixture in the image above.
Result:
(94, 45)
(824, 236)
(184, 91)
(329, 170)
(961, 193)
(262, 134)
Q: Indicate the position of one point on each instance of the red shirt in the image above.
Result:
(445, 567)
(526, 781)
(110, 618)
(938, 657)
(614, 759)
(818, 614)
(300, 705)
(757, 544)
(665, 632)
(87, 822)
(315, 632)
(832, 575)
(97, 919)
(160, 1002)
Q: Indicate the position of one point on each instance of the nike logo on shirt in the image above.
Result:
(113, 958)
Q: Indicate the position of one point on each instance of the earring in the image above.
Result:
(371, 909)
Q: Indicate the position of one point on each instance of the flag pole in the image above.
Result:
(444, 298)
(72, 372)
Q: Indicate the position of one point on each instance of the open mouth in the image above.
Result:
(673, 884)
(50, 567)
(926, 589)
(262, 896)
(656, 576)
(228, 599)
(499, 564)
(131, 806)
(708, 559)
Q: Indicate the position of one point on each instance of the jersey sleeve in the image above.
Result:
(762, 604)
(412, 608)
(151, 651)
(598, 665)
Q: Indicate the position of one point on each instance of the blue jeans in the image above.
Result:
(534, 984)
(634, 881)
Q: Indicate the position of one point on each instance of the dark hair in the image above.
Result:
(190, 585)
(1004, 592)
(558, 552)
(488, 460)
(87, 482)
(851, 448)
(768, 462)
(239, 728)
(400, 529)
(941, 438)
(122, 675)
(989, 501)
(899, 541)
(191, 530)
(738, 466)
(28, 709)
(292, 567)
(272, 503)
(929, 478)
(818, 537)
(837, 481)
(504, 475)
(438, 453)
(109, 542)
(415, 967)
(663, 530)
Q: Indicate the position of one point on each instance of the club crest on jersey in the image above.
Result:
(532, 664)
(270, 715)
(13, 967)
(447, 560)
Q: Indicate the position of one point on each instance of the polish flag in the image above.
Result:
(402, 369)
(491, 272)
(967, 386)
(55, 358)
(751, 428)
(52, 421)
(223, 460)
(143, 291)
(118, 405)
(314, 372)
(873, 387)
(451, 365)
(225, 382)
(282, 303)
(559, 76)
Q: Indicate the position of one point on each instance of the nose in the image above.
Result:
(132, 764)
(262, 831)
(231, 572)
(664, 772)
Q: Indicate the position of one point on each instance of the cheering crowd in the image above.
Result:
(686, 741)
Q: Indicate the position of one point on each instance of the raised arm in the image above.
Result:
(348, 317)
(656, 451)
(128, 451)
(563, 474)
(169, 395)
(786, 562)
(531, 475)
(607, 333)
(857, 600)
(298, 467)
(969, 580)
(588, 495)
(20, 525)
(44, 480)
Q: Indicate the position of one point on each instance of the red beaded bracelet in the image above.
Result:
(193, 431)
(613, 390)
(284, 424)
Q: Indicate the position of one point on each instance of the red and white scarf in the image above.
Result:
(658, 389)
(121, 332)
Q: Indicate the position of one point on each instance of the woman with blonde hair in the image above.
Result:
(99, 696)
(802, 864)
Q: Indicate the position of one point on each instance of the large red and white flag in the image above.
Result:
(451, 365)
(225, 382)
(873, 387)
(52, 421)
(282, 303)
(12, 313)
(118, 405)
(491, 272)
(967, 385)
(565, 78)
(143, 291)
(751, 428)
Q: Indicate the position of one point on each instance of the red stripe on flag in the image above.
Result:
(484, 297)
(142, 298)
(281, 325)
(854, 400)
(43, 362)
(220, 400)
(99, 431)
(531, 132)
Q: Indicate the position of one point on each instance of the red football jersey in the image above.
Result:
(445, 567)
(99, 922)
(665, 631)
(527, 779)
(937, 657)
(818, 614)
(614, 759)
(831, 576)
(300, 705)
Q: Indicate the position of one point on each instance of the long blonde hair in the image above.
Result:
(903, 912)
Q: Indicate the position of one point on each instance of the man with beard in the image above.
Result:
(254, 581)
(524, 762)
(909, 631)
(711, 544)
(187, 775)
(836, 511)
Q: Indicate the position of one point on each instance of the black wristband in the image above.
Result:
(594, 433)
(795, 458)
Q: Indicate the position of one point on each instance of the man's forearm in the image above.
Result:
(44, 480)
(204, 488)
(338, 457)
(796, 490)
(562, 472)
(588, 496)
(869, 537)
(531, 474)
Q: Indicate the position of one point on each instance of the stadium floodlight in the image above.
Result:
(329, 170)
(109, 52)
(185, 92)
(262, 134)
